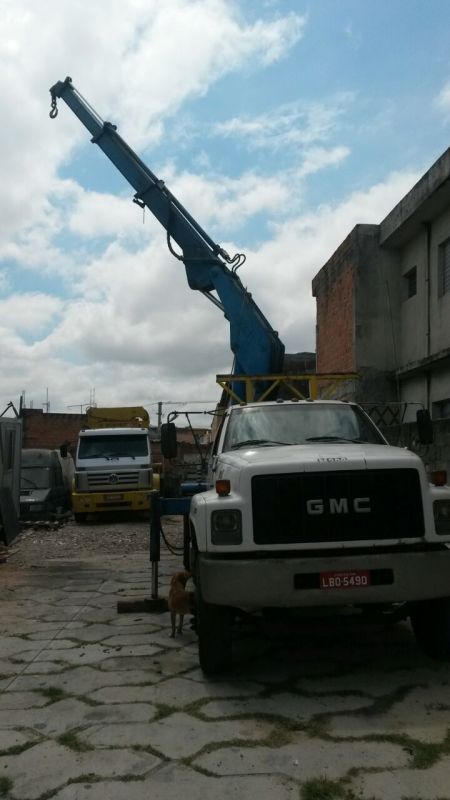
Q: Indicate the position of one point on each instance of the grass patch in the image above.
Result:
(425, 754)
(6, 785)
(322, 789)
(53, 693)
(71, 740)
(163, 710)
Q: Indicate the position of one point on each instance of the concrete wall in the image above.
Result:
(440, 305)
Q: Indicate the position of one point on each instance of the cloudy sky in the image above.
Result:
(279, 124)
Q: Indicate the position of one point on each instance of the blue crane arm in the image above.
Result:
(256, 347)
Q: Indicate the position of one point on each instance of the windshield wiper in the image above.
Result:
(263, 442)
(33, 484)
(330, 439)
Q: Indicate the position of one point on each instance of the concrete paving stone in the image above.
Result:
(42, 636)
(101, 601)
(126, 620)
(101, 632)
(377, 684)
(129, 639)
(76, 598)
(304, 759)
(90, 614)
(8, 667)
(62, 613)
(13, 739)
(426, 784)
(125, 694)
(174, 662)
(47, 766)
(74, 625)
(61, 644)
(176, 736)
(285, 704)
(43, 668)
(164, 641)
(424, 714)
(172, 782)
(130, 663)
(119, 713)
(84, 680)
(32, 628)
(16, 646)
(15, 700)
(51, 720)
(95, 653)
(176, 692)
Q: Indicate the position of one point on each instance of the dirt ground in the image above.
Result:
(112, 535)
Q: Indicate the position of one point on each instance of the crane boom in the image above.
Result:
(256, 347)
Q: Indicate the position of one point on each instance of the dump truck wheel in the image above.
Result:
(430, 620)
(213, 625)
(80, 516)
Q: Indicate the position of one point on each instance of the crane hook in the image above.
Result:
(54, 109)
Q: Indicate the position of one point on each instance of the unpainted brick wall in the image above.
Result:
(50, 430)
(335, 349)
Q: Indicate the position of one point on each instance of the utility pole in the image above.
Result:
(160, 405)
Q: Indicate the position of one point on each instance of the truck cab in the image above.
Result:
(43, 490)
(310, 506)
(113, 471)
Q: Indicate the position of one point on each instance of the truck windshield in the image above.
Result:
(35, 478)
(123, 446)
(304, 423)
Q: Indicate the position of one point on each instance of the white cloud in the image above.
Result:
(128, 324)
(137, 61)
(290, 125)
(442, 101)
(140, 335)
(30, 311)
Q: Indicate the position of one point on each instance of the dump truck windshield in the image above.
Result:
(114, 446)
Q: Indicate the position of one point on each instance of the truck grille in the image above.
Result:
(339, 506)
(128, 479)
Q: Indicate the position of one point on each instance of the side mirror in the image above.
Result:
(424, 426)
(169, 440)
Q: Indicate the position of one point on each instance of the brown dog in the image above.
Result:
(179, 600)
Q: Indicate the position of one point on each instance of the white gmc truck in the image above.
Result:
(309, 506)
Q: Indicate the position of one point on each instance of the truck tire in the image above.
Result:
(213, 625)
(80, 516)
(430, 620)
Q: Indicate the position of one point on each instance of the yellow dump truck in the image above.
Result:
(113, 462)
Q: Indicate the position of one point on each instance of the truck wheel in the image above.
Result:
(80, 516)
(214, 635)
(430, 620)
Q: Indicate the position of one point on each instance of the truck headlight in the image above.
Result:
(226, 527)
(441, 510)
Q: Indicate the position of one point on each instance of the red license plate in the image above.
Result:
(354, 579)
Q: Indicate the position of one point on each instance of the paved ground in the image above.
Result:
(96, 705)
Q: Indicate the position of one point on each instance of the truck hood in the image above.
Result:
(318, 456)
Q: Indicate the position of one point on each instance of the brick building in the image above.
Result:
(383, 305)
(383, 301)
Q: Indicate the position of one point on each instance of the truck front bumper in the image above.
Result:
(96, 502)
(256, 583)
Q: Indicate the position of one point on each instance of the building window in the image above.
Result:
(441, 410)
(444, 268)
(410, 283)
